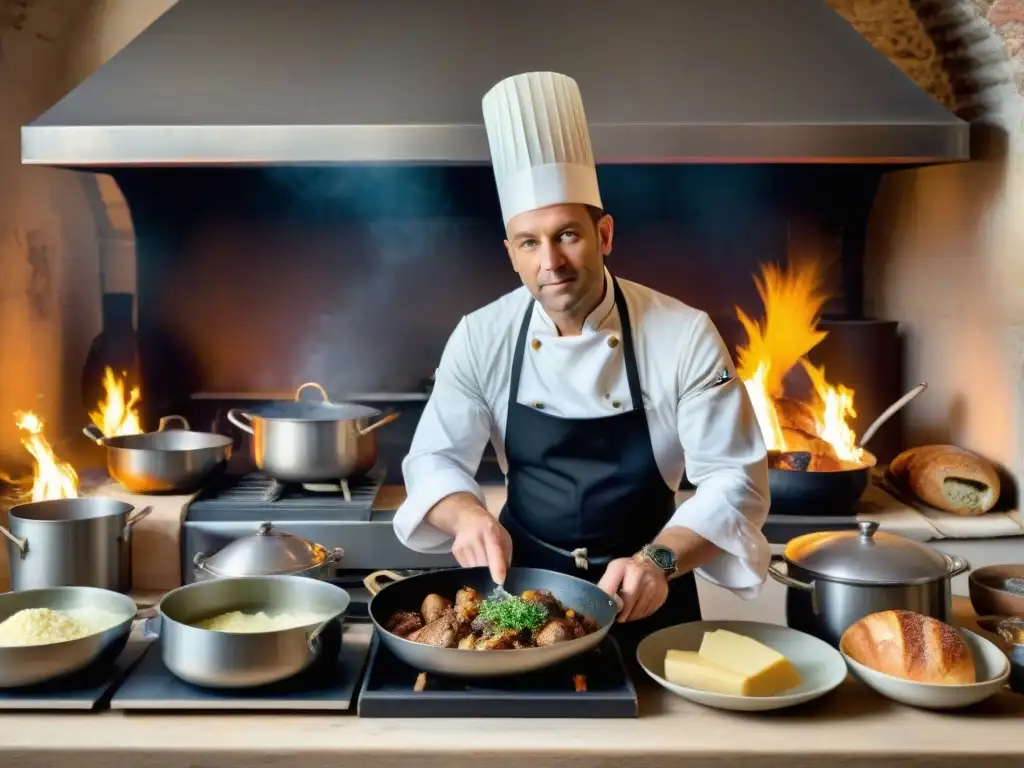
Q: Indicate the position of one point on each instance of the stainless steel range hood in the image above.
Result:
(400, 81)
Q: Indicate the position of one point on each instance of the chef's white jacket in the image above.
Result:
(697, 424)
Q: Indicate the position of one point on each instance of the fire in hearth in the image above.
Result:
(116, 414)
(793, 300)
(51, 477)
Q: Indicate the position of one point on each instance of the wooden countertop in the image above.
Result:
(852, 726)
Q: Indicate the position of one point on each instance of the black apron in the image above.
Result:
(583, 492)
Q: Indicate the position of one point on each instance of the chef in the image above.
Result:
(596, 394)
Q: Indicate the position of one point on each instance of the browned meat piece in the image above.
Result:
(790, 461)
(404, 623)
(442, 632)
(503, 641)
(433, 606)
(555, 631)
(467, 603)
(546, 599)
(582, 625)
(468, 643)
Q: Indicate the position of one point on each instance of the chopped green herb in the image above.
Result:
(513, 613)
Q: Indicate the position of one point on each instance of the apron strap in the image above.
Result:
(628, 353)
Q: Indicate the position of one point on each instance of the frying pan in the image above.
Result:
(830, 493)
(406, 594)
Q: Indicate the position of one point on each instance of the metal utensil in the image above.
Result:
(891, 411)
(839, 577)
(35, 664)
(268, 553)
(71, 543)
(309, 442)
(214, 659)
(165, 461)
(406, 594)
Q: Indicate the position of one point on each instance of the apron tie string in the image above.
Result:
(580, 558)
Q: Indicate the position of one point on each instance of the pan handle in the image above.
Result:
(166, 420)
(93, 433)
(312, 385)
(784, 578)
(372, 582)
(21, 544)
(378, 424)
(235, 416)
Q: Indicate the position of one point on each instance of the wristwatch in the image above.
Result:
(663, 558)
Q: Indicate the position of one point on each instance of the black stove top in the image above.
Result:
(254, 495)
(594, 685)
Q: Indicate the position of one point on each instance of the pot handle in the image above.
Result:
(166, 420)
(372, 582)
(313, 638)
(312, 385)
(784, 578)
(235, 416)
(151, 627)
(378, 424)
(137, 518)
(93, 433)
(956, 565)
(21, 544)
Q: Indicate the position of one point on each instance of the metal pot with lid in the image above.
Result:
(268, 553)
(836, 578)
(312, 442)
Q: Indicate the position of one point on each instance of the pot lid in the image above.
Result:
(866, 556)
(267, 553)
(307, 410)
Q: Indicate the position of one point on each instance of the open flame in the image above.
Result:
(51, 477)
(117, 415)
(793, 301)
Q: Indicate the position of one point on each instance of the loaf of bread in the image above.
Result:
(947, 478)
(910, 646)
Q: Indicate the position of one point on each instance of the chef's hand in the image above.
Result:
(641, 586)
(481, 540)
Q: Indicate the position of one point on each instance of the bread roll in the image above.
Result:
(910, 646)
(947, 478)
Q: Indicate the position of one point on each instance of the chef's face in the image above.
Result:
(559, 253)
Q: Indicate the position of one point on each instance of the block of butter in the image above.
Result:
(732, 664)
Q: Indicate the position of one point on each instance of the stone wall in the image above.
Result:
(943, 243)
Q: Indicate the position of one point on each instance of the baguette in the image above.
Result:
(947, 478)
(910, 646)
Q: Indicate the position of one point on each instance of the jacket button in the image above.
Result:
(535, 343)
(613, 341)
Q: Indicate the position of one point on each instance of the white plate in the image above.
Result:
(821, 667)
(991, 668)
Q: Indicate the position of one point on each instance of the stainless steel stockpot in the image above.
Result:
(836, 578)
(309, 442)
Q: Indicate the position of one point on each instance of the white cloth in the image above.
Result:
(540, 143)
(680, 356)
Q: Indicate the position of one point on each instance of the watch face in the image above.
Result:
(663, 557)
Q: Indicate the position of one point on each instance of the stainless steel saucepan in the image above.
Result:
(215, 659)
(165, 461)
(71, 543)
(309, 442)
(22, 665)
(408, 594)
